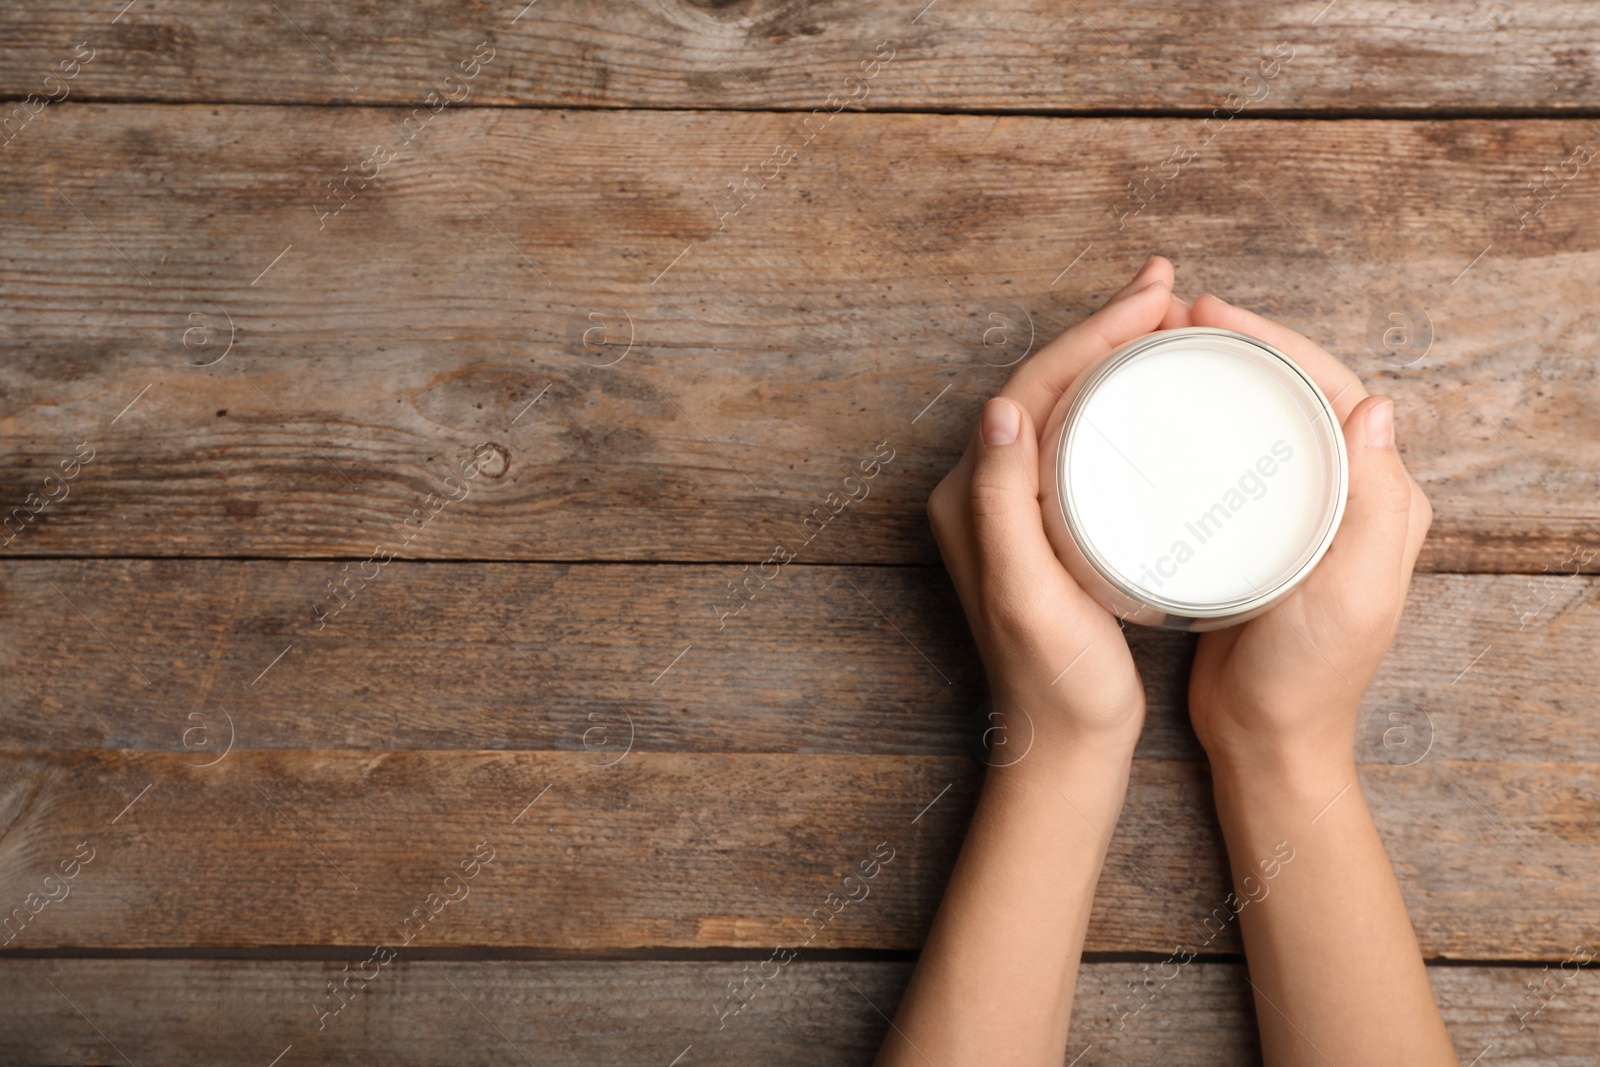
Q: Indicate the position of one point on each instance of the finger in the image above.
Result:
(1180, 314)
(1038, 390)
(1039, 382)
(1368, 556)
(1155, 269)
(1008, 530)
(1337, 382)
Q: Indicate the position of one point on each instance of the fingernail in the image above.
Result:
(1147, 263)
(1380, 425)
(1002, 421)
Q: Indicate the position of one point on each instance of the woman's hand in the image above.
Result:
(1334, 963)
(1051, 650)
(1287, 685)
(994, 983)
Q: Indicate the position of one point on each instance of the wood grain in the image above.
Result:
(840, 660)
(845, 307)
(283, 848)
(253, 380)
(560, 1012)
(1012, 56)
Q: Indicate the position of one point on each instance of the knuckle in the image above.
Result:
(1009, 610)
(1378, 625)
(941, 504)
(1397, 485)
(1389, 488)
(1422, 505)
(988, 509)
(990, 496)
(1370, 618)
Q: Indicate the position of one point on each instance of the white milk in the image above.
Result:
(1201, 474)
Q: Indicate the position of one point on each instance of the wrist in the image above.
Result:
(1293, 774)
(1069, 751)
(1307, 742)
(1067, 718)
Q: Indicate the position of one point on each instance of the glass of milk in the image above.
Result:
(1193, 478)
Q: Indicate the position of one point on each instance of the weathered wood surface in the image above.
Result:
(768, 358)
(282, 848)
(1016, 55)
(569, 299)
(516, 656)
(556, 1012)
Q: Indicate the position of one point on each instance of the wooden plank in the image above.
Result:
(845, 308)
(501, 656)
(585, 657)
(288, 848)
(1015, 55)
(561, 1012)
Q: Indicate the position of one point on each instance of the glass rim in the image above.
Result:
(1334, 455)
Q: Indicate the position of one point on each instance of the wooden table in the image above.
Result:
(316, 749)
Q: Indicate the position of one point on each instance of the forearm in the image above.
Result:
(1333, 958)
(995, 980)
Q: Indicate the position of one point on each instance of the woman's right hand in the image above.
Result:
(1288, 684)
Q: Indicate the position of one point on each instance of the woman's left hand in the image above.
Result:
(1051, 651)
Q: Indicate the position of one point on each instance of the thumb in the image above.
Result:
(1370, 547)
(1013, 551)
